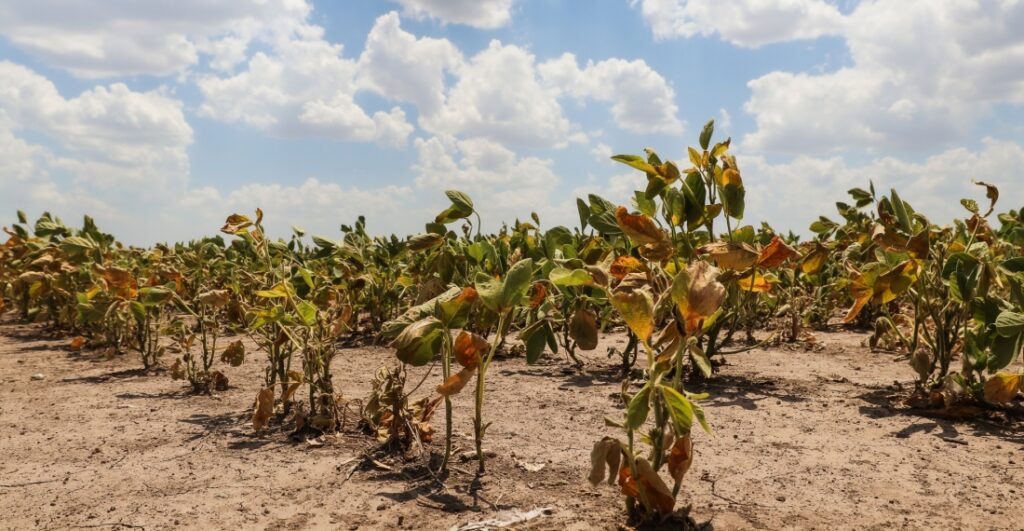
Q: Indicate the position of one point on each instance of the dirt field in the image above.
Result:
(804, 439)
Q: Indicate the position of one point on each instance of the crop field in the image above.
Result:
(664, 364)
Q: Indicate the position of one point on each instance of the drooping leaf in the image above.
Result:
(1001, 387)
(264, 408)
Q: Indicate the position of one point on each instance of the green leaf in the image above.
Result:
(584, 212)
(705, 134)
(700, 359)
(419, 342)
(639, 406)
(635, 161)
(535, 345)
(516, 283)
(561, 276)
(460, 199)
(1010, 324)
(277, 292)
(1004, 351)
(679, 408)
(307, 312)
(452, 213)
(155, 295)
(1013, 265)
(902, 215)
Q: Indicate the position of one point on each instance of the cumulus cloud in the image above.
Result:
(923, 73)
(99, 38)
(642, 101)
(792, 194)
(746, 23)
(304, 87)
(499, 96)
(401, 67)
(484, 14)
(112, 135)
(508, 185)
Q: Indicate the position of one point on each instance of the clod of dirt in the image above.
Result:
(38, 376)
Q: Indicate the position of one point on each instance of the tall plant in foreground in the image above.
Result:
(696, 296)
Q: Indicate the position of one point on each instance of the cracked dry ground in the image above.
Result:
(804, 439)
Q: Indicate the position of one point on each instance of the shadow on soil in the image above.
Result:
(884, 403)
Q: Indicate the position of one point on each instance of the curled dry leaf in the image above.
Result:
(624, 265)
(295, 380)
(77, 343)
(640, 228)
(680, 458)
(775, 253)
(236, 224)
(537, 294)
(177, 370)
(234, 355)
(583, 329)
(469, 348)
(1001, 387)
(264, 408)
(654, 493)
(216, 298)
(697, 292)
(604, 458)
(456, 382)
(728, 255)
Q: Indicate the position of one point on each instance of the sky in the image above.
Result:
(159, 118)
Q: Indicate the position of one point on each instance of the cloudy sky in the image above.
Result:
(160, 118)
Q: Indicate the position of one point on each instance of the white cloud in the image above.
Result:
(793, 194)
(724, 123)
(319, 207)
(641, 100)
(506, 184)
(484, 14)
(304, 87)
(100, 38)
(747, 23)
(602, 152)
(923, 74)
(112, 134)
(400, 67)
(499, 96)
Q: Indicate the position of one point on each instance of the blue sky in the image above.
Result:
(161, 121)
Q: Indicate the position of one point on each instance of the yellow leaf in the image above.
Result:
(1002, 387)
(756, 283)
(636, 306)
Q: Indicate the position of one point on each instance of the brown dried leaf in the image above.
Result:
(456, 382)
(654, 493)
(264, 408)
(583, 329)
(775, 254)
(728, 255)
(234, 355)
(624, 265)
(469, 348)
(640, 228)
(680, 458)
(605, 457)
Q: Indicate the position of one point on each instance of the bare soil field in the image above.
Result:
(807, 436)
